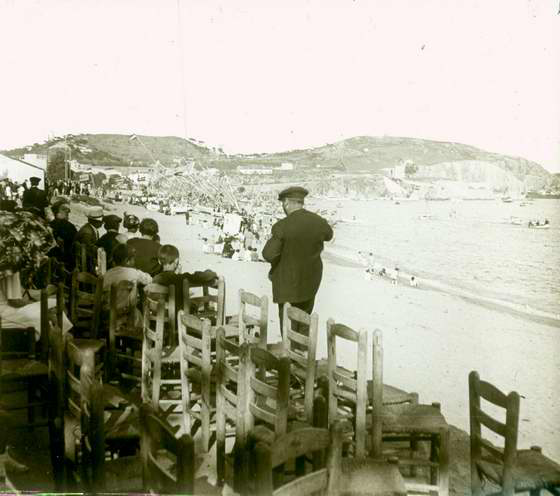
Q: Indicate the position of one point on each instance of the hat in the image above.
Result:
(296, 192)
(149, 227)
(34, 180)
(131, 220)
(112, 219)
(95, 213)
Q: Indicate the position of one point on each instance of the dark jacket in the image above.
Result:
(146, 255)
(108, 243)
(35, 198)
(65, 234)
(294, 251)
(87, 235)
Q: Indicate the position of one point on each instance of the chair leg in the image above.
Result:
(443, 481)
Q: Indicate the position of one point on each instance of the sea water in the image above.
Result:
(472, 246)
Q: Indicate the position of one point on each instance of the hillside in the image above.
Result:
(358, 154)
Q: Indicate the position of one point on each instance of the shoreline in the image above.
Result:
(515, 309)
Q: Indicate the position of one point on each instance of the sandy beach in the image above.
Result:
(432, 340)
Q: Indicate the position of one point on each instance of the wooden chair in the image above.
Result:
(290, 448)
(349, 399)
(119, 475)
(197, 401)
(20, 366)
(85, 257)
(86, 302)
(510, 469)
(125, 337)
(56, 407)
(335, 477)
(168, 463)
(267, 392)
(230, 409)
(209, 303)
(167, 295)
(251, 324)
(299, 338)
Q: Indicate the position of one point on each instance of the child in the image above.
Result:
(168, 257)
(413, 282)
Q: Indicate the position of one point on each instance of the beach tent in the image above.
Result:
(18, 171)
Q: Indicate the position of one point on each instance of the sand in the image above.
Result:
(432, 340)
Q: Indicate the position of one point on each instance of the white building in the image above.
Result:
(36, 159)
(286, 166)
(19, 171)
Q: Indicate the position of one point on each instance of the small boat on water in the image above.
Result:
(537, 224)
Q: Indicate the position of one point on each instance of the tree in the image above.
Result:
(56, 166)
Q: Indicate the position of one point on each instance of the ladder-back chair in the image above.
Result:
(508, 468)
(197, 378)
(207, 300)
(125, 336)
(299, 338)
(230, 408)
(86, 303)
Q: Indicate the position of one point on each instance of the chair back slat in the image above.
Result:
(157, 292)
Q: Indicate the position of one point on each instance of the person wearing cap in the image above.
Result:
(147, 248)
(88, 235)
(294, 252)
(131, 223)
(64, 233)
(109, 240)
(35, 198)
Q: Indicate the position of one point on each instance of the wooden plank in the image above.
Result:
(346, 381)
(491, 423)
(492, 394)
(262, 414)
(263, 388)
(345, 332)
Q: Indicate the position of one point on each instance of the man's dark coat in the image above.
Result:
(35, 198)
(294, 250)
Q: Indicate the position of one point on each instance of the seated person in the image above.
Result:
(108, 241)
(131, 223)
(171, 274)
(123, 258)
(147, 248)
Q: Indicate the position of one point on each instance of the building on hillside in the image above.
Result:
(397, 172)
(37, 159)
(254, 169)
(285, 166)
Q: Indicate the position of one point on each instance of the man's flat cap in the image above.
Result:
(296, 192)
(94, 213)
(112, 219)
(34, 180)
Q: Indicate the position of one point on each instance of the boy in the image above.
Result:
(168, 257)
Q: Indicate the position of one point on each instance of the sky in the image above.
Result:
(263, 75)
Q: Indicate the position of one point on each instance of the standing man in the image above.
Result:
(294, 252)
(35, 198)
(88, 235)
